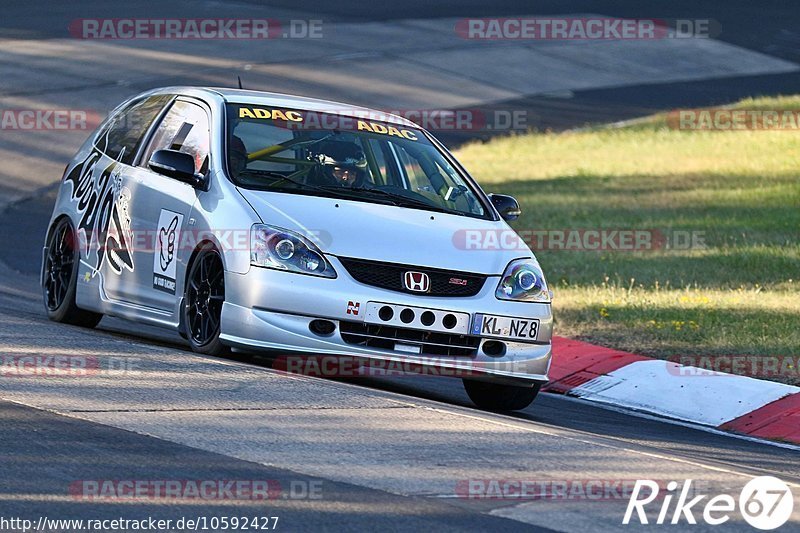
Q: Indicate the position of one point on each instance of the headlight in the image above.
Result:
(281, 249)
(523, 280)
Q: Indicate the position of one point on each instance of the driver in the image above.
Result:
(340, 163)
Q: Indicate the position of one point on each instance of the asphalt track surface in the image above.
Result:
(389, 453)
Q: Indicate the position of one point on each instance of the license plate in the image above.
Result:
(505, 327)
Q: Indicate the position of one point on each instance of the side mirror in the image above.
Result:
(176, 165)
(507, 206)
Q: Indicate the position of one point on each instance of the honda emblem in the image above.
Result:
(417, 281)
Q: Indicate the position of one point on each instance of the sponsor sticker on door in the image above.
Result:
(165, 257)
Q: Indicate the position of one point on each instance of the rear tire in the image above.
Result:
(497, 397)
(204, 296)
(60, 280)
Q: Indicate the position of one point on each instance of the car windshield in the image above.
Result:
(305, 152)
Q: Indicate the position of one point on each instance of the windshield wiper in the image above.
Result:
(401, 199)
(281, 177)
(263, 173)
(354, 192)
(341, 192)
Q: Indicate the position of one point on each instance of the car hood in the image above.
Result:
(392, 234)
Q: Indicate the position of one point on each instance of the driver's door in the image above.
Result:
(164, 206)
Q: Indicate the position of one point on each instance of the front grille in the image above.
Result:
(432, 343)
(390, 276)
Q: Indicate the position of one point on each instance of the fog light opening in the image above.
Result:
(386, 313)
(449, 321)
(494, 348)
(427, 318)
(407, 316)
(322, 328)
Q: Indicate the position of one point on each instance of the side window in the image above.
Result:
(378, 165)
(435, 179)
(185, 128)
(122, 135)
(387, 171)
(418, 179)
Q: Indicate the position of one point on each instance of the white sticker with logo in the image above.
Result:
(165, 256)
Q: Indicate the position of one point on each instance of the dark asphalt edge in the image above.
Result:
(458, 517)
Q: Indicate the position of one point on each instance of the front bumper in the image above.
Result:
(271, 310)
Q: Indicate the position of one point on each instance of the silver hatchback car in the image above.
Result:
(264, 222)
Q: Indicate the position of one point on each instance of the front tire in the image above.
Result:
(204, 296)
(60, 278)
(497, 397)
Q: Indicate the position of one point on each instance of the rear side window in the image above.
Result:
(121, 136)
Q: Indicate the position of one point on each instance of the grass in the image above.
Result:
(735, 292)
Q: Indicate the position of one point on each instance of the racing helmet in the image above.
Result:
(341, 163)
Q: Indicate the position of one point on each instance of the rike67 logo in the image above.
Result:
(765, 503)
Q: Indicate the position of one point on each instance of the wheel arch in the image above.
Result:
(53, 223)
(193, 256)
(189, 262)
